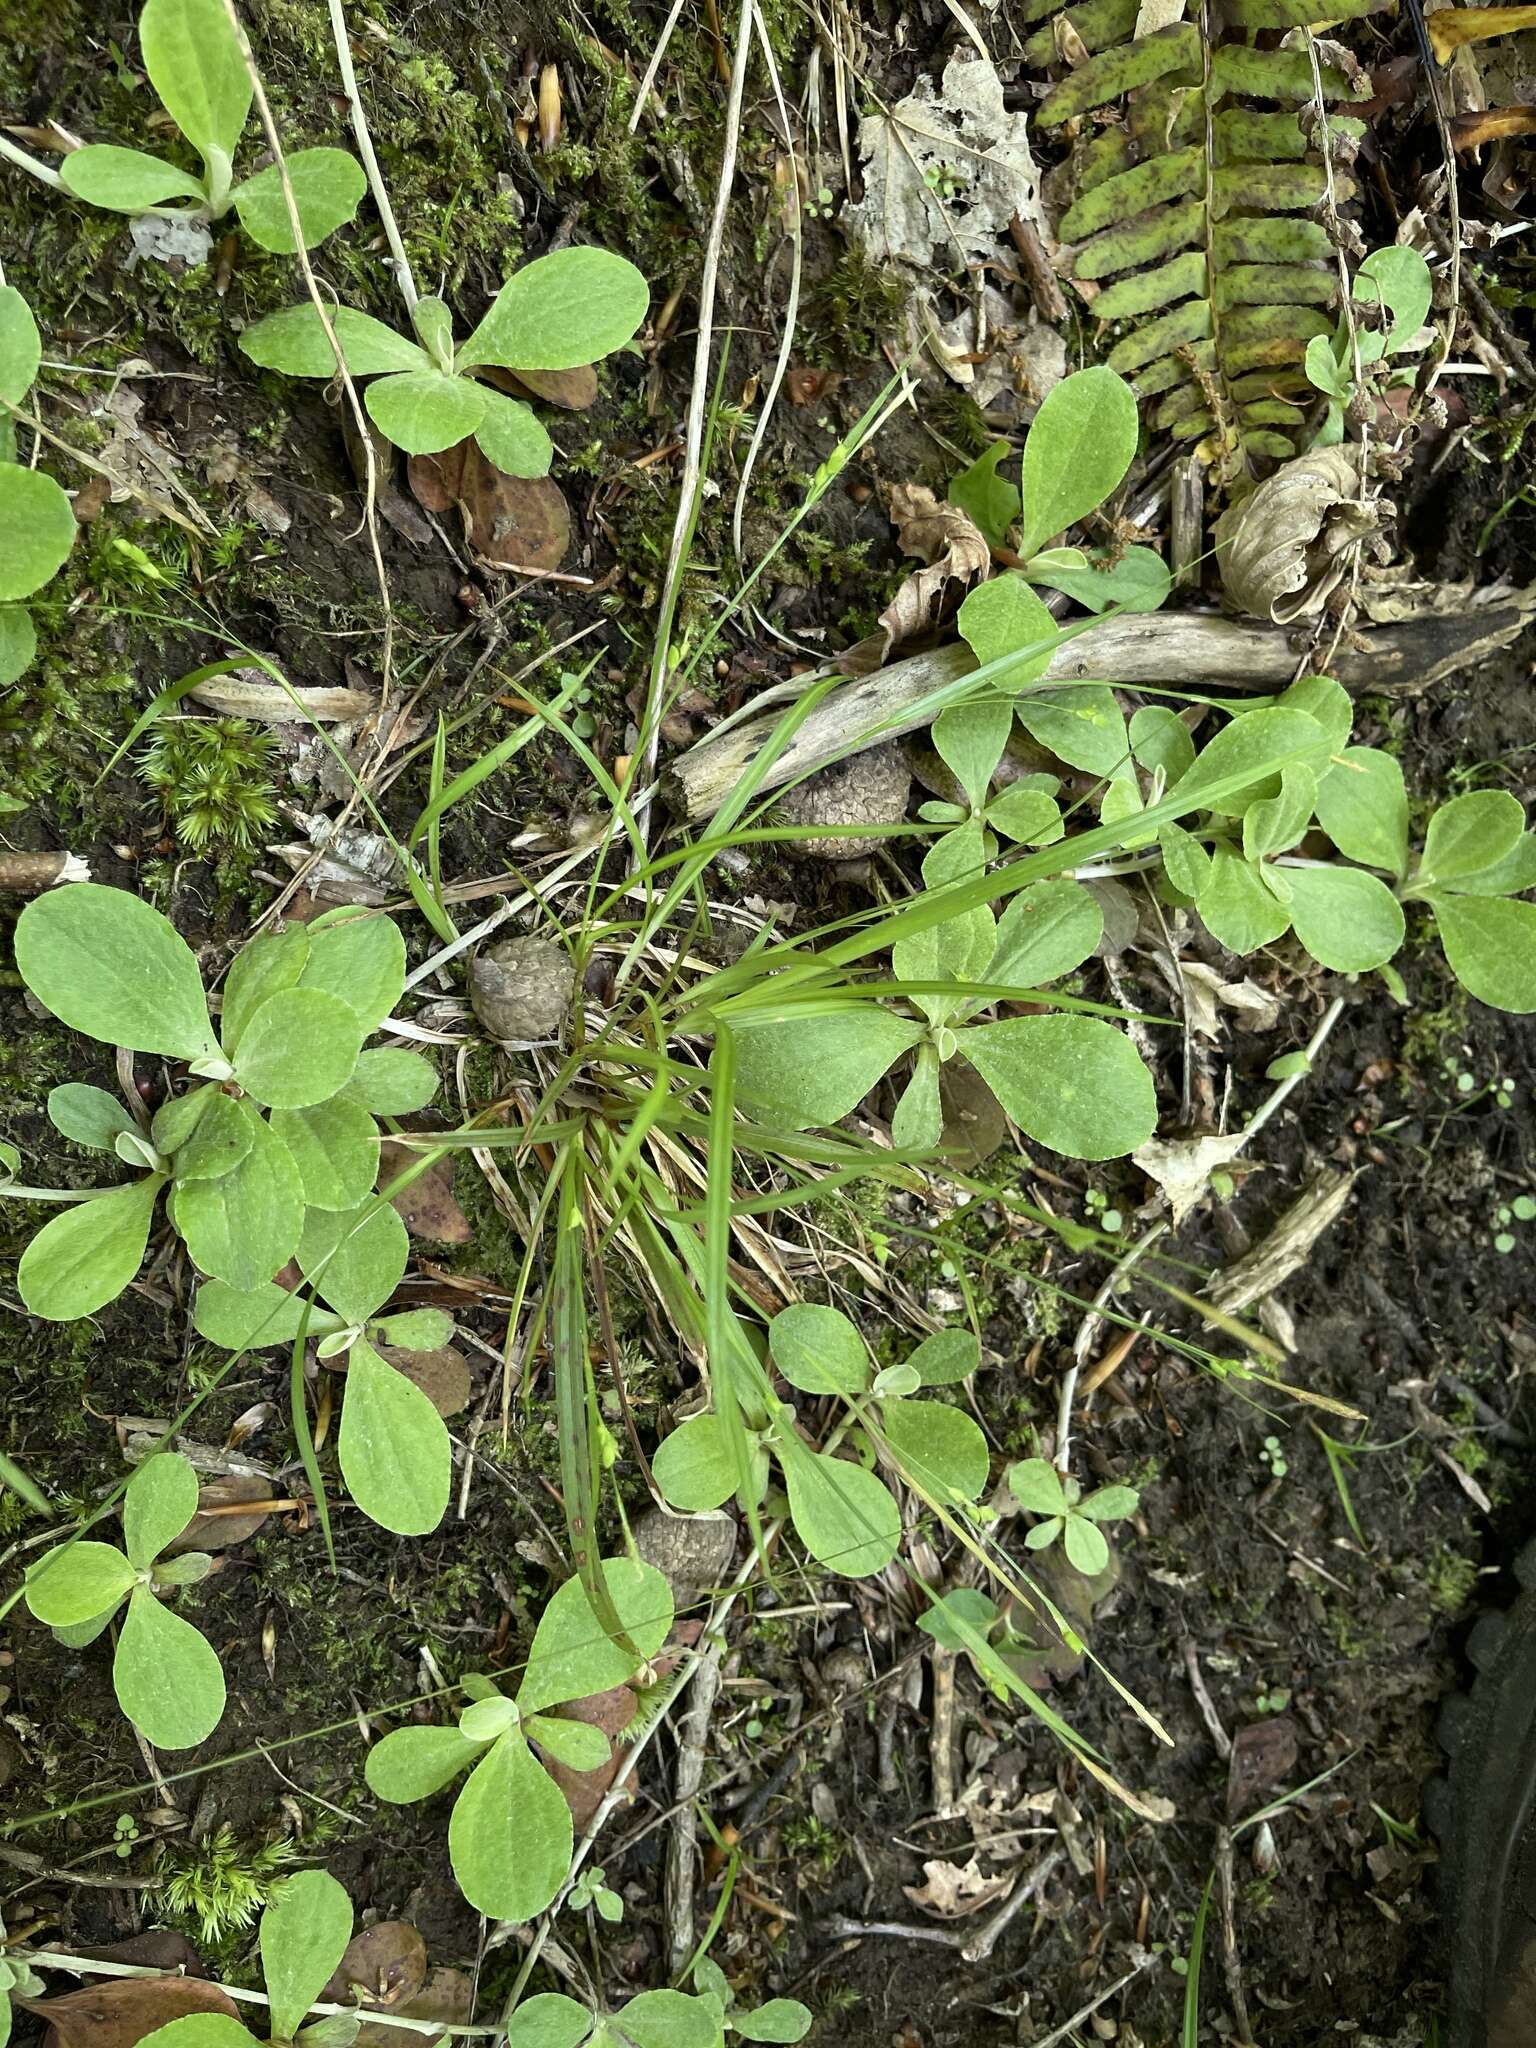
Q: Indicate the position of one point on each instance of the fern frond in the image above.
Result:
(1201, 214)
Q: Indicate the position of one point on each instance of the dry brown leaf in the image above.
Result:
(514, 522)
(427, 1207)
(121, 2014)
(447, 1995)
(384, 1967)
(572, 390)
(954, 1890)
(1284, 550)
(1182, 1167)
(805, 386)
(441, 1375)
(944, 537)
(1474, 25)
(612, 1711)
(1468, 131)
(208, 1531)
(251, 693)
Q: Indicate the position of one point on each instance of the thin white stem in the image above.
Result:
(84, 1966)
(1314, 1046)
(654, 66)
(27, 162)
(698, 401)
(400, 262)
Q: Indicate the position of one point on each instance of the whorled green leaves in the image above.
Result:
(194, 62)
(510, 1834)
(561, 311)
(165, 1673)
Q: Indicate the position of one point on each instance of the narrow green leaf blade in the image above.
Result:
(240, 1318)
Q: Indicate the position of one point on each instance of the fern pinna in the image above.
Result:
(1204, 218)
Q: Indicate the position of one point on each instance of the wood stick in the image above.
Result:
(1173, 648)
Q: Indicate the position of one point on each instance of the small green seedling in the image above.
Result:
(1477, 857)
(125, 1833)
(37, 520)
(1521, 1210)
(270, 1156)
(1069, 1515)
(1079, 447)
(194, 62)
(781, 2019)
(1272, 1454)
(560, 312)
(842, 1513)
(1392, 290)
(304, 1935)
(590, 1894)
(510, 1836)
(653, 2019)
(165, 1673)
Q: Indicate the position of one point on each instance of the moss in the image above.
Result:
(850, 311)
(1449, 1578)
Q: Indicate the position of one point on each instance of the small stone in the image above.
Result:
(692, 1552)
(521, 990)
(871, 788)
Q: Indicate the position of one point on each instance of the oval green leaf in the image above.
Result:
(18, 642)
(572, 1656)
(693, 1466)
(1046, 930)
(511, 437)
(21, 347)
(815, 1069)
(335, 1146)
(843, 1515)
(413, 1763)
(294, 342)
(219, 1140)
(510, 1837)
(124, 180)
(328, 186)
(361, 959)
(72, 1586)
(243, 1226)
(1074, 1084)
(1077, 452)
(89, 1116)
(1363, 807)
(393, 1447)
(246, 1318)
(84, 1258)
(108, 964)
(1002, 618)
(945, 1358)
(819, 1351)
(1347, 919)
(938, 1448)
(303, 1936)
(194, 63)
(356, 1257)
(1470, 833)
(423, 412)
(166, 1676)
(389, 1081)
(1490, 945)
(300, 1047)
(37, 531)
(561, 312)
(160, 1500)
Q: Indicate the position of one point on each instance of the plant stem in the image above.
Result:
(27, 162)
(84, 1966)
(401, 263)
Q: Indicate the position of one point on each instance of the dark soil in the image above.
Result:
(1335, 1654)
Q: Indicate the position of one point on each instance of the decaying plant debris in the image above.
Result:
(767, 945)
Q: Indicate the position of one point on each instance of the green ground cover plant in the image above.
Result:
(196, 66)
(37, 521)
(560, 312)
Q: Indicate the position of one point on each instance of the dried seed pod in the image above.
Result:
(549, 107)
(521, 990)
(870, 789)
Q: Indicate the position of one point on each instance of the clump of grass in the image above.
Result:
(219, 1886)
(213, 776)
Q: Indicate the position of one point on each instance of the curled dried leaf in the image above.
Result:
(383, 1969)
(1287, 546)
(951, 544)
(213, 1527)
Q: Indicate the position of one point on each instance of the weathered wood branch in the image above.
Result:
(1172, 648)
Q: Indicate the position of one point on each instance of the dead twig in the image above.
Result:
(692, 1739)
